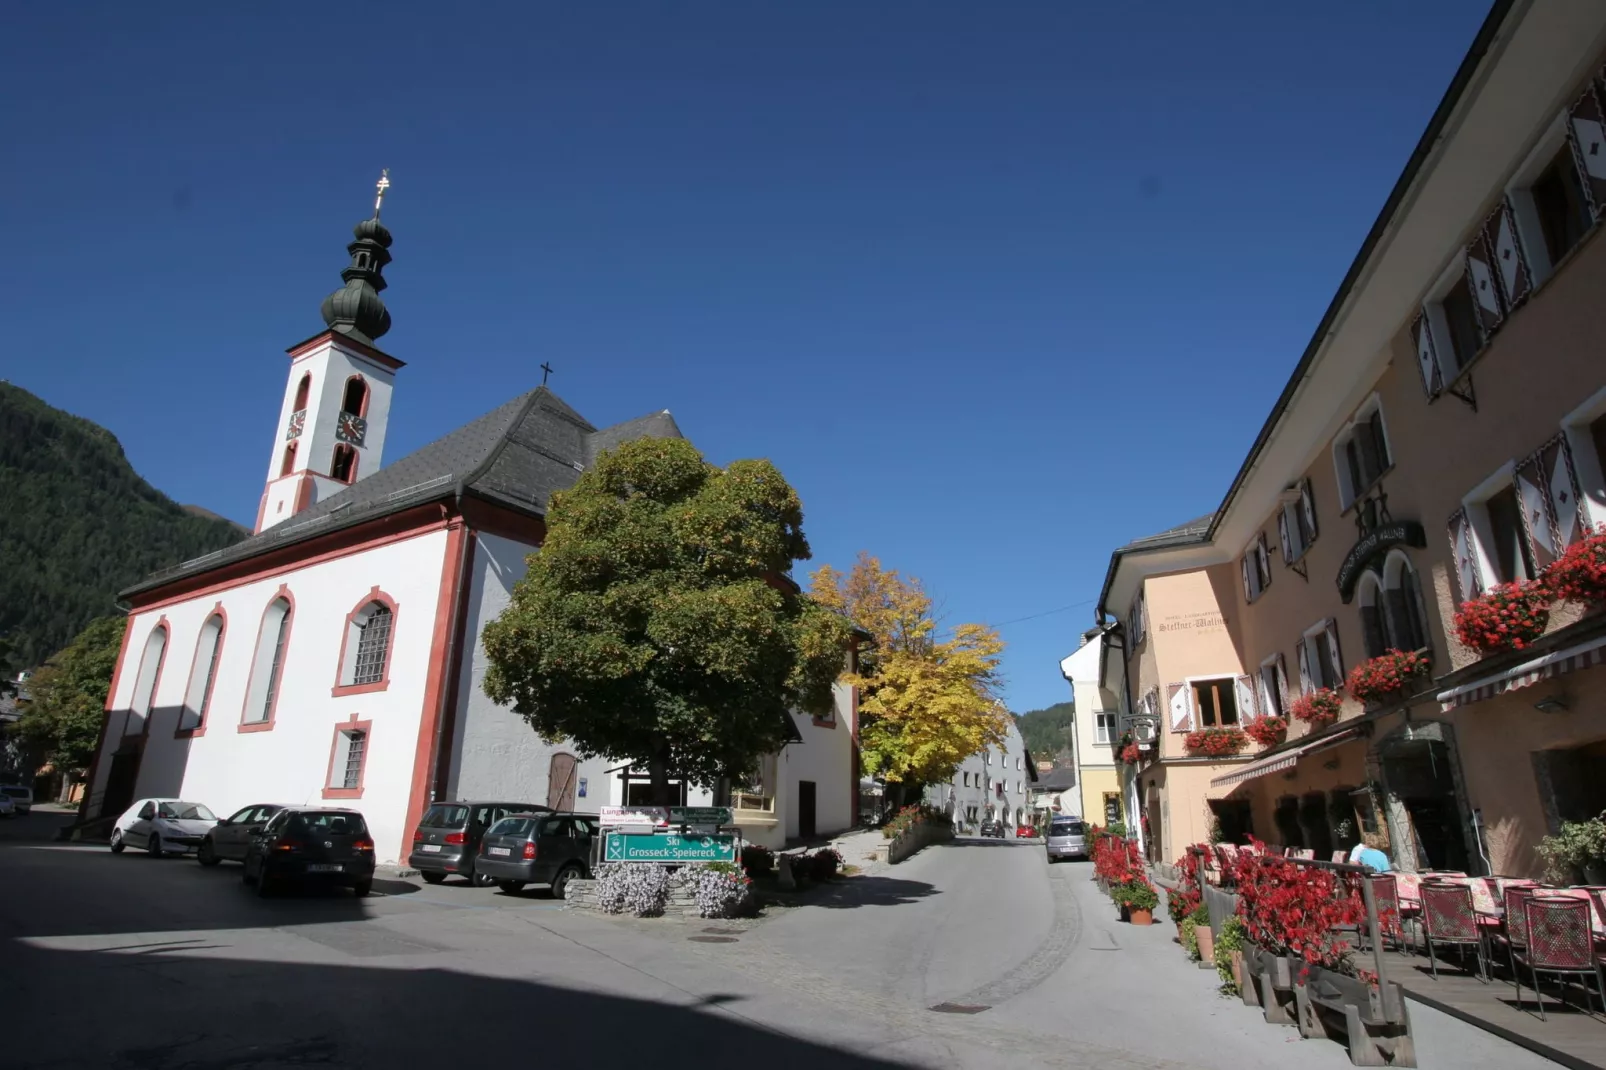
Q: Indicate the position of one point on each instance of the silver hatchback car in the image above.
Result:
(1067, 838)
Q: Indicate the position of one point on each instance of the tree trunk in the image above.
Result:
(658, 777)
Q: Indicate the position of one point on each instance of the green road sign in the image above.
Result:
(669, 847)
(699, 815)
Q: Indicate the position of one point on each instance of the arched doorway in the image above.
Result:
(1429, 825)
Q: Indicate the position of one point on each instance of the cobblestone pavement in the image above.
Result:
(133, 962)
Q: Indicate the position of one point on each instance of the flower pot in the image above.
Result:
(1139, 917)
(1207, 943)
(1237, 959)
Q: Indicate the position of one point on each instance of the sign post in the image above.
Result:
(670, 847)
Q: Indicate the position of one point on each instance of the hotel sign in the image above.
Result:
(1373, 544)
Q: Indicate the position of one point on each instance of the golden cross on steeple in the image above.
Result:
(383, 185)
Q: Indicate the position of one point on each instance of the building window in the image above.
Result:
(987, 758)
(757, 791)
(303, 390)
(1296, 522)
(1499, 540)
(344, 465)
(1104, 727)
(1137, 622)
(289, 464)
(1319, 662)
(1273, 683)
(365, 648)
(1404, 619)
(203, 674)
(1462, 332)
(354, 399)
(348, 758)
(150, 674)
(1369, 594)
(1361, 452)
(967, 779)
(1216, 703)
(267, 667)
(1256, 568)
(1560, 205)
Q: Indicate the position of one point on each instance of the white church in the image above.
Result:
(334, 655)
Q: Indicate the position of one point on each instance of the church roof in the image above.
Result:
(516, 455)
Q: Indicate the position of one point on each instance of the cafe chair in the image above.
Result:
(1448, 918)
(1559, 942)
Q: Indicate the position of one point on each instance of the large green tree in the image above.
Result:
(67, 698)
(657, 625)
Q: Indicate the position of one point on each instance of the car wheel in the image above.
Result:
(205, 854)
(117, 841)
(362, 888)
(153, 843)
(432, 878)
(511, 887)
(479, 880)
(560, 883)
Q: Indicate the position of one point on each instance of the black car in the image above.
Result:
(231, 836)
(992, 829)
(537, 848)
(307, 845)
(447, 839)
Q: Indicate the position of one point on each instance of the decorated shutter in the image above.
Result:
(1243, 566)
(1307, 683)
(1179, 704)
(1248, 701)
(1586, 129)
(1282, 679)
(1514, 278)
(1427, 359)
(1307, 509)
(1466, 565)
(1565, 502)
(1486, 298)
(1332, 652)
(1533, 495)
(1282, 536)
(1263, 561)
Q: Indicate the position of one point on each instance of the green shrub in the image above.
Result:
(1187, 932)
(1137, 894)
(1200, 915)
(1230, 940)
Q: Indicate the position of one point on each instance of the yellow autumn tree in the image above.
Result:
(926, 704)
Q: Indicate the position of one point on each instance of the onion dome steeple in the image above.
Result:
(355, 309)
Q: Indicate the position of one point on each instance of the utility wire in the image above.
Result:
(1046, 612)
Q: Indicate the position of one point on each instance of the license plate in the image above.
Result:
(323, 869)
(432, 848)
(500, 851)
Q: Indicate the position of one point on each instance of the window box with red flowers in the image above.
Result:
(1318, 708)
(1508, 617)
(1216, 742)
(1130, 754)
(1579, 574)
(1387, 675)
(1267, 731)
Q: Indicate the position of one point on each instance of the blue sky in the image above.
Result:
(998, 286)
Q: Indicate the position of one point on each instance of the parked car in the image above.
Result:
(311, 845)
(230, 837)
(1067, 838)
(537, 848)
(992, 829)
(448, 836)
(1025, 832)
(21, 797)
(162, 825)
(7, 806)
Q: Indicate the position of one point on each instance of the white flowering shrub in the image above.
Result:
(640, 888)
(720, 888)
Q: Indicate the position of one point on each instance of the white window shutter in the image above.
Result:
(1466, 564)
(1514, 276)
(1333, 652)
(1282, 536)
(1564, 497)
(1248, 700)
(1243, 566)
(1282, 678)
(1307, 503)
(1533, 495)
(1486, 298)
(1586, 130)
(1263, 561)
(1179, 705)
(1427, 358)
(1306, 683)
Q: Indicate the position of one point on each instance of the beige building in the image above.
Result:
(1444, 431)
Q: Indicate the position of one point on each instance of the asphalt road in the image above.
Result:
(132, 962)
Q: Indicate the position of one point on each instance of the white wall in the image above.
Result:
(1082, 670)
(826, 757)
(225, 767)
(495, 752)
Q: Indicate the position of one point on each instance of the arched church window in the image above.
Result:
(355, 398)
(1403, 615)
(150, 674)
(289, 464)
(365, 649)
(267, 666)
(344, 466)
(203, 674)
(302, 391)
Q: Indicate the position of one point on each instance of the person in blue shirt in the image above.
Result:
(1364, 854)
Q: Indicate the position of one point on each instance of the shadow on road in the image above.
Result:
(175, 1011)
(872, 892)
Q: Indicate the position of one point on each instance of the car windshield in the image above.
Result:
(1065, 828)
(445, 817)
(17, 793)
(511, 826)
(332, 823)
(184, 811)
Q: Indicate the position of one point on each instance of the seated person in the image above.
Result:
(1366, 854)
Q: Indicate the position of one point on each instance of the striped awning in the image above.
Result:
(1287, 759)
(1529, 672)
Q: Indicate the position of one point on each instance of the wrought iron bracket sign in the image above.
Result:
(1371, 545)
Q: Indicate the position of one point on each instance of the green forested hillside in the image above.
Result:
(1047, 731)
(78, 524)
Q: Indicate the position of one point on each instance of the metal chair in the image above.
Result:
(1516, 932)
(1302, 852)
(1385, 895)
(1448, 918)
(1559, 942)
(1340, 857)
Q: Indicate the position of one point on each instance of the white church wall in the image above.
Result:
(228, 763)
(495, 752)
(825, 757)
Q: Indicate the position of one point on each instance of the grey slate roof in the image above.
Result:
(516, 455)
(1060, 778)
(1193, 531)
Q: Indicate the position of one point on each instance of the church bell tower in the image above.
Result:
(331, 429)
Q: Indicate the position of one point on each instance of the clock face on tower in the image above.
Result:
(351, 428)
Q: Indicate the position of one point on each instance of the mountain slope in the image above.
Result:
(78, 524)
(1047, 731)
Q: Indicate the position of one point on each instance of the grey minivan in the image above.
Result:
(1067, 838)
(447, 839)
(545, 848)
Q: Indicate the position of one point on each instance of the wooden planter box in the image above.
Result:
(1268, 983)
(1374, 1025)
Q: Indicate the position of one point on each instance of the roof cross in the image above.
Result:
(546, 370)
(382, 186)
